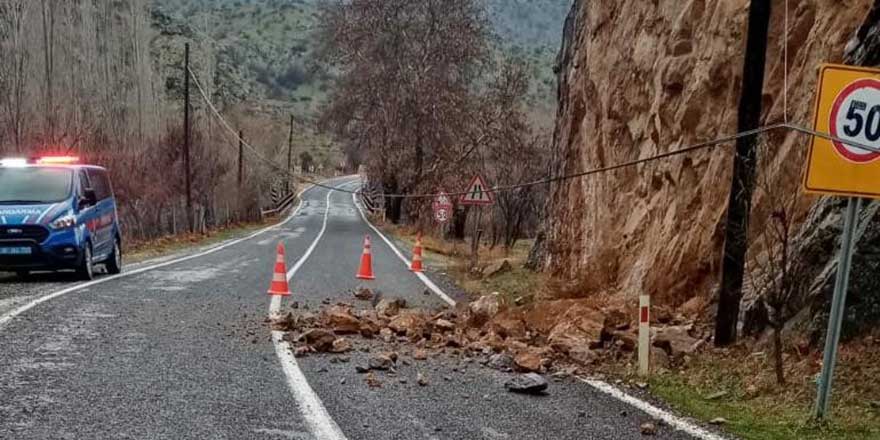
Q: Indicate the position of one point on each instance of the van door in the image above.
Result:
(86, 214)
(106, 213)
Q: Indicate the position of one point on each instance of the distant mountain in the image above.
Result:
(264, 48)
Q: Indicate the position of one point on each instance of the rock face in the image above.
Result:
(638, 78)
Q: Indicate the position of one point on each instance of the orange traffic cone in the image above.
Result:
(366, 270)
(279, 286)
(416, 265)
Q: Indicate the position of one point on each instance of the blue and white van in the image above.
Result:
(56, 214)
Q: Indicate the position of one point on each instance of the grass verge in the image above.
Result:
(138, 251)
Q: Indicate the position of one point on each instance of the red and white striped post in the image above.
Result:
(644, 334)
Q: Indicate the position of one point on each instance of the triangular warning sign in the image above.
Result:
(477, 193)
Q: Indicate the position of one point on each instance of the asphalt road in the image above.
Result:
(181, 352)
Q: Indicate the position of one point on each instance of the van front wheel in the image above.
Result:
(86, 270)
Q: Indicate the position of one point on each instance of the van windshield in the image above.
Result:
(33, 185)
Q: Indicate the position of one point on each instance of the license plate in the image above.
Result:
(15, 251)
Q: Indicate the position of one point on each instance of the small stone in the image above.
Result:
(718, 421)
(717, 395)
(363, 293)
(341, 345)
(582, 414)
(372, 381)
(420, 378)
(623, 414)
(447, 378)
(648, 428)
(444, 325)
(342, 381)
(530, 383)
(380, 362)
(361, 369)
(500, 361)
(641, 385)
(344, 359)
(420, 354)
(402, 380)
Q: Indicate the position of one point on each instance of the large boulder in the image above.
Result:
(483, 309)
(676, 340)
(578, 327)
(341, 320)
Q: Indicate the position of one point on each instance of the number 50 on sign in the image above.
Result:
(847, 108)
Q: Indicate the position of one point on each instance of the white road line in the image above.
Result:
(321, 425)
(6, 318)
(425, 280)
(673, 420)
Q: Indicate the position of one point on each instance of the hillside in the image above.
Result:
(265, 49)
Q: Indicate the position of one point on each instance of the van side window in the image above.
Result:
(83, 184)
(100, 183)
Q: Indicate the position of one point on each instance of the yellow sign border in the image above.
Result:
(819, 95)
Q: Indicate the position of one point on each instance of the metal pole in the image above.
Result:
(289, 155)
(187, 139)
(240, 158)
(838, 304)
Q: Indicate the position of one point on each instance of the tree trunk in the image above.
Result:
(777, 354)
(743, 183)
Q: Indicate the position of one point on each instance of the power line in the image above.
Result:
(503, 188)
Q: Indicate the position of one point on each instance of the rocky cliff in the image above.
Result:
(638, 78)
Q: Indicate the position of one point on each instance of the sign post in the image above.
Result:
(478, 194)
(848, 108)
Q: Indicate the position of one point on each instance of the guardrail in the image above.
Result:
(285, 203)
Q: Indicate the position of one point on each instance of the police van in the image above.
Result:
(56, 214)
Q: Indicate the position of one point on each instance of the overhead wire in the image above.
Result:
(503, 188)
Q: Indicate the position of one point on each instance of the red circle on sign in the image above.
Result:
(835, 111)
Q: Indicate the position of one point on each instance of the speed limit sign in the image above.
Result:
(847, 108)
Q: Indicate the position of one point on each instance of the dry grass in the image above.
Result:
(758, 408)
(453, 258)
(136, 251)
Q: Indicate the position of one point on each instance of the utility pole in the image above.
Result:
(742, 185)
(240, 158)
(289, 155)
(187, 139)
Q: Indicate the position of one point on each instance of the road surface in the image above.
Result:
(180, 351)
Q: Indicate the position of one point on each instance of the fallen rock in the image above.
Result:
(501, 361)
(508, 325)
(302, 351)
(483, 309)
(420, 354)
(361, 369)
(386, 334)
(380, 361)
(443, 325)
(341, 345)
(390, 307)
(659, 358)
(676, 340)
(363, 293)
(583, 355)
(498, 268)
(529, 361)
(718, 421)
(420, 378)
(319, 339)
(716, 395)
(407, 322)
(579, 326)
(648, 428)
(341, 320)
(530, 383)
(372, 381)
